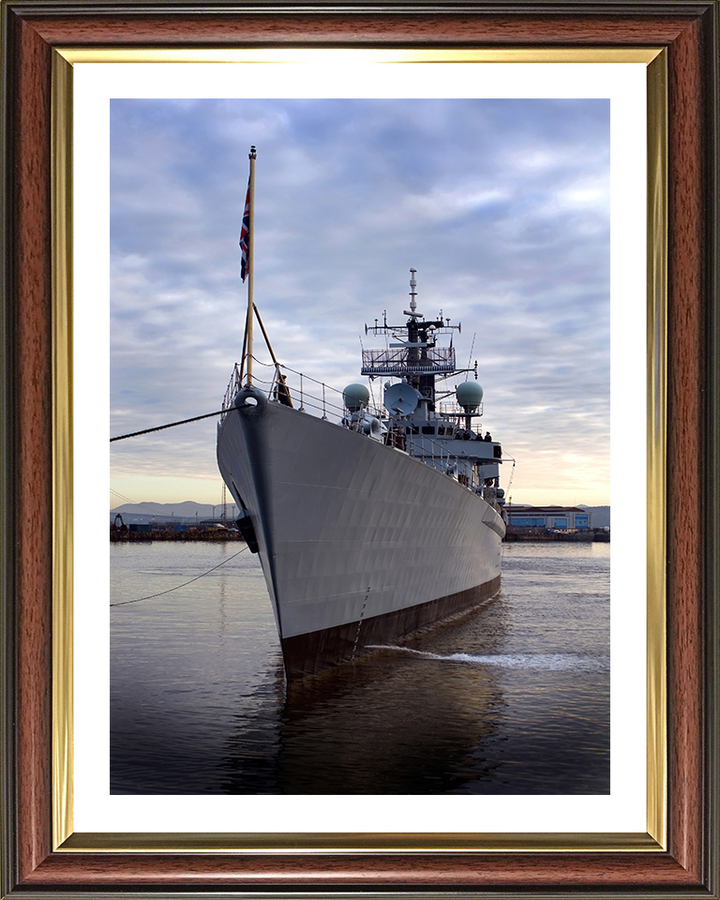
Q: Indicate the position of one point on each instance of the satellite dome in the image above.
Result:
(355, 396)
(469, 394)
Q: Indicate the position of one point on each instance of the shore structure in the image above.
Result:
(552, 523)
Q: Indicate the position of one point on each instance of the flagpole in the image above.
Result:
(251, 267)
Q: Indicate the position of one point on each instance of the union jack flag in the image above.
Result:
(245, 238)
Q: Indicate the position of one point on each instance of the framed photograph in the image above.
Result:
(62, 65)
(490, 178)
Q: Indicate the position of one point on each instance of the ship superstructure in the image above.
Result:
(419, 422)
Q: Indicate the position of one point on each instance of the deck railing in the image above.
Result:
(306, 393)
(325, 401)
(397, 362)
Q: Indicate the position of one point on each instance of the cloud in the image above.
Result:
(501, 205)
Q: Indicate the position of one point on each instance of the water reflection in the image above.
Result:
(510, 699)
(390, 722)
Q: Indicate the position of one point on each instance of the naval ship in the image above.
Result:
(370, 522)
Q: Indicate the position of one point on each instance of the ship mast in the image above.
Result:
(249, 251)
(415, 357)
(414, 352)
(247, 270)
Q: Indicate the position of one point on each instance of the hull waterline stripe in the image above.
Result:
(308, 654)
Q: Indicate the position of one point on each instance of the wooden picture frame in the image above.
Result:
(687, 33)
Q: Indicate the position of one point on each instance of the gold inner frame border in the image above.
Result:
(64, 837)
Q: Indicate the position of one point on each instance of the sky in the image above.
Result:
(502, 206)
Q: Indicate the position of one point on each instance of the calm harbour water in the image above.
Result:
(512, 698)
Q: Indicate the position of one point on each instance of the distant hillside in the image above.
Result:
(184, 513)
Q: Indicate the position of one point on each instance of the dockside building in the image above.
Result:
(549, 518)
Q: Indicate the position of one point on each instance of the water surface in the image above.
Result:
(512, 698)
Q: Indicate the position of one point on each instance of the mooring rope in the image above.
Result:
(121, 437)
(170, 590)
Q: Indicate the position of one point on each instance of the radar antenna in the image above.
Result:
(413, 292)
